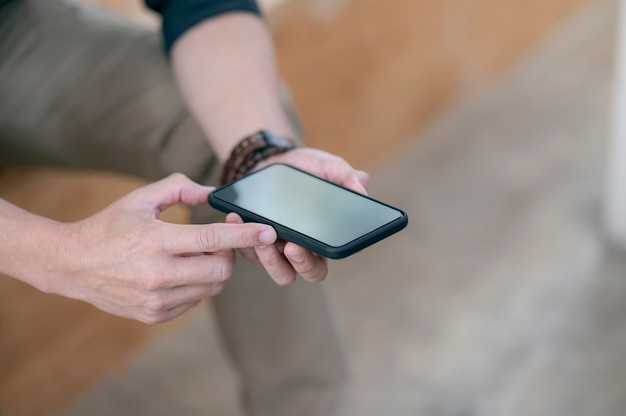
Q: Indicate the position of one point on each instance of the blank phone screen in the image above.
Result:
(308, 205)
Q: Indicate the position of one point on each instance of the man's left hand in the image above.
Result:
(283, 261)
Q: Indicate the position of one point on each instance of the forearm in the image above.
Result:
(28, 245)
(226, 70)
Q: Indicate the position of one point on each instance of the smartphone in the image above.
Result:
(317, 214)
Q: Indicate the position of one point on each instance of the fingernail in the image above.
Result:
(298, 258)
(267, 237)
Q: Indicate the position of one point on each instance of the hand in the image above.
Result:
(285, 260)
(127, 262)
(323, 164)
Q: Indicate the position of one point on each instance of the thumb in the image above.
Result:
(174, 189)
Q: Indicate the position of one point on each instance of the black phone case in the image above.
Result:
(333, 252)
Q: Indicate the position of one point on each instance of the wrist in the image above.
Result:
(252, 150)
(33, 246)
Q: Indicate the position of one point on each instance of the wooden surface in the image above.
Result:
(366, 76)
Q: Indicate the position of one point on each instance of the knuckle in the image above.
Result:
(309, 272)
(222, 270)
(319, 277)
(315, 273)
(178, 178)
(147, 243)
(308, 268)
(245, 240)
(208, 239)
(155, 303)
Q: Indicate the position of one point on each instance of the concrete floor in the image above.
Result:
(501, 298)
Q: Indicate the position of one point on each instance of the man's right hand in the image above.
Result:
(127, 262)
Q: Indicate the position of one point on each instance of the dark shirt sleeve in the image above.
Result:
(181, 15)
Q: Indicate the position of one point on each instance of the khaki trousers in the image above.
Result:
(81, 88)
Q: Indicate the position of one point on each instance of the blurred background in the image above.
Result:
(488, 121)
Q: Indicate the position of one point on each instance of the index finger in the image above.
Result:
(209, 238)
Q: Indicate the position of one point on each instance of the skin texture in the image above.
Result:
(123, 259)
(127, 262)
(246, 74)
